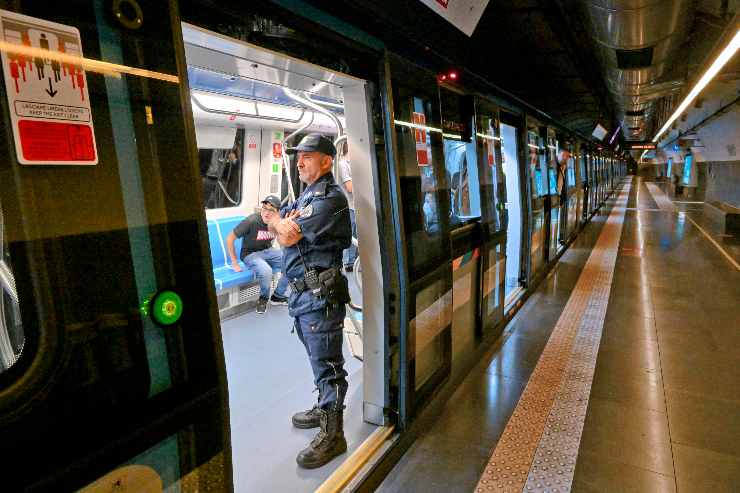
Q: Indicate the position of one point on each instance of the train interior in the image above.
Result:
(249, 104)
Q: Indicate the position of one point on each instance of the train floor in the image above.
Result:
(620, 373)
(269, 379)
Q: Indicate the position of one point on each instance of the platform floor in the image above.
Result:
(620, 373)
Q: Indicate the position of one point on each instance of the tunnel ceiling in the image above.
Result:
(525, 47)
(547, 52)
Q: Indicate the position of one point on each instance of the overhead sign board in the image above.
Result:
(641, 146)
(47, 91)
(463, 14)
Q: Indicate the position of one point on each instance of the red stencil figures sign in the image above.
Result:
(47, 91)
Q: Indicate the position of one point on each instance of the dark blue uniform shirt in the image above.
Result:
(327, 231)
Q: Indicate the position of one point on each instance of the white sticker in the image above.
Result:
(47, 91)
(307, 211)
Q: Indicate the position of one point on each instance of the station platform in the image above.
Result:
(620, 373)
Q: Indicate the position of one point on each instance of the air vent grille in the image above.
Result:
(633, 59)
(247, 292)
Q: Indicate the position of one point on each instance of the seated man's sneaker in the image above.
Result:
(276, 299)
(261, 305)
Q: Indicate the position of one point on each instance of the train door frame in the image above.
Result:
(519, 123)
(538, 204)
(418, 301)
(95, 248)
(374, 257)
(494, 232)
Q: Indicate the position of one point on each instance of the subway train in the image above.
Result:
(131, 354)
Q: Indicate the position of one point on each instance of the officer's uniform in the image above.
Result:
(325, 224)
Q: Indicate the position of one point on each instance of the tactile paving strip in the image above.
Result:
(539, 446)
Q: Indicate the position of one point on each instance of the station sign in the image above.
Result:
(46, 87)
(641, 146)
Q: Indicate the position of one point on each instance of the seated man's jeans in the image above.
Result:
(262, 264)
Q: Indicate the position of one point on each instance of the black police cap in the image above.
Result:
(314, 142)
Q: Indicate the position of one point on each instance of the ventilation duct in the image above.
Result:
(639, 40)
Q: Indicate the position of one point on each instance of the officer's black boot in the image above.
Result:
(307, 419)
(328, 443)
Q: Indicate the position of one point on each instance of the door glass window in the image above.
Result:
(493, 181)
(536, 168)
(424, 191)
(552, 164)
(461, 163)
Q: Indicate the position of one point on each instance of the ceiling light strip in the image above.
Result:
(711, 72)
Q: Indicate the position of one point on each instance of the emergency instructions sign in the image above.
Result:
(47, 91)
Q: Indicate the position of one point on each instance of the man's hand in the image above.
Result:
(288, 231)
(235, 265)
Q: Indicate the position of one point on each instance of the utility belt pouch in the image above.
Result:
(334, 286)
(313, 282)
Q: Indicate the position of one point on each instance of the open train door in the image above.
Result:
(112, 375)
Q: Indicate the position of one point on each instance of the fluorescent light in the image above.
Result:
(414, 125)
(534, 146)
(488, 137)
(716, 66)
(452, 136)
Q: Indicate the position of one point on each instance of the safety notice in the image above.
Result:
(47, 91)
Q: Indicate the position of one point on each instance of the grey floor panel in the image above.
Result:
(269, 379)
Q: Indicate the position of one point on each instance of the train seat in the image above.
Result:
(223, 274)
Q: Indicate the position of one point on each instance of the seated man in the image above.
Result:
(257, 252)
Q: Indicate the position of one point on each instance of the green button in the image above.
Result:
(165, 308)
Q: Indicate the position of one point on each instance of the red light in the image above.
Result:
(443, 77)
(453, 75)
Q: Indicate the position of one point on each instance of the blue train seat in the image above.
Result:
(223, 274)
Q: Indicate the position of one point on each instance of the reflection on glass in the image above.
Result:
(11, 327)
(433, 315)
(423, 140)
(670, 166)
(538, 182)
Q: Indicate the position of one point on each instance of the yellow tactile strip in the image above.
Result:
(539, 446)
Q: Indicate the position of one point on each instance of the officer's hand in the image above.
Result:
(236, 266)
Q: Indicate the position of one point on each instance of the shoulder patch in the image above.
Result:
(307, 211)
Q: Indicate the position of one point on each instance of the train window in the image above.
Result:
(11, 327)
(421, 167)
(537, 172)
(571, 169)
(461, 163)
(221, 168)
(552, 164)
(493, 182)
(582, 164)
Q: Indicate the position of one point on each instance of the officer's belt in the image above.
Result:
(298, 285)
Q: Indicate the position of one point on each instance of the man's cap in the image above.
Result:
(314, 142)
(273, 201)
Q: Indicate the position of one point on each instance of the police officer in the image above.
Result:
(314, 231)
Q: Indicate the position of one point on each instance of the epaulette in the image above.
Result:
(320, 189)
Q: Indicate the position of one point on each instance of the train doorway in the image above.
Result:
(249, 104)
(510, 148)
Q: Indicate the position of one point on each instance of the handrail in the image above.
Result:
(257, 116)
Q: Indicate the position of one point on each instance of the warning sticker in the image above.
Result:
(47, 91)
